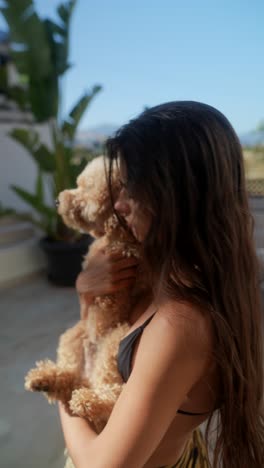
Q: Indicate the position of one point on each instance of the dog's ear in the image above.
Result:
(94, 181)
(88, 207)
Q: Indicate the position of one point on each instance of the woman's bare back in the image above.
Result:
(201, 399)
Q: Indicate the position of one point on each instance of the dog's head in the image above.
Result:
(88, 207)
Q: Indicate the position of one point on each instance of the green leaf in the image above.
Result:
(13, 11)
(20, 58)
(19, 95)
(44, 95)
(61, 58)
(27, 29)
(76, 171)
(58, 40)
(42, 58)
(36, 57)
(45, 159)
(53, 27)
(40, 153)
(62, 175)
(39, 187)
(65, 10)
(28, 138)
(70, 125)
(32, 200)
(3, 79)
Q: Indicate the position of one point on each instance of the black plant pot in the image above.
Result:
(65, 259)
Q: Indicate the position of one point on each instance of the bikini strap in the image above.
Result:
(146, 322)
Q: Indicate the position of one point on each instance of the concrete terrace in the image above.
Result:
(33, 315)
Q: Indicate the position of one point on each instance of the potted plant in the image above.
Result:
(41, 56)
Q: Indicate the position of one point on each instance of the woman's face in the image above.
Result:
(137, 218)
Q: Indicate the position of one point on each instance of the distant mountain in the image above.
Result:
(105, 129)
(95, 136)
(253, 138)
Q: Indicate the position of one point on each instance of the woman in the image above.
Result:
(194, 348)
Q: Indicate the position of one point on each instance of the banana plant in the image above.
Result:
(40, 49)
(58, 168)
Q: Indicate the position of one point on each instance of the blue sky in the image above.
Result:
(145, 52)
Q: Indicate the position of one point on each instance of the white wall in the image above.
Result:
(20, 254)
(16, 167)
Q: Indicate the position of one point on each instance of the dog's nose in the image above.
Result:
(57, 202)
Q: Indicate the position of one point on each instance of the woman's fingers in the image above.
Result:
(88, 280)
(124, 263)
(124, 274)
(106, 273)
(122, 284)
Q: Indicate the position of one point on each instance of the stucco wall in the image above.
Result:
(16, 167)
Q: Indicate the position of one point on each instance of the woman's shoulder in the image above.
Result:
(189, 320)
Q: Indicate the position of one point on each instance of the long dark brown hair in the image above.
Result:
(184, 161)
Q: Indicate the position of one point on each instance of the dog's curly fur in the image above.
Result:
(85, 377)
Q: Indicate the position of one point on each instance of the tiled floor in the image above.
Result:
(32, 316)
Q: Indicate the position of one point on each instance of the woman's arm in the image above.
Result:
(172, 356)
(77, 431)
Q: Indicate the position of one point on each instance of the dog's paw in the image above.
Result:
(93, 405)
(81, 402)
(42, 378)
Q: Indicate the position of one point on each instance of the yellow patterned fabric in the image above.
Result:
(68, 463)
(194, 456)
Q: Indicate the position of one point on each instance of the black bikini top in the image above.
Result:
(124, 358)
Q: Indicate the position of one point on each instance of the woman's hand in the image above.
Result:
(106, 274)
